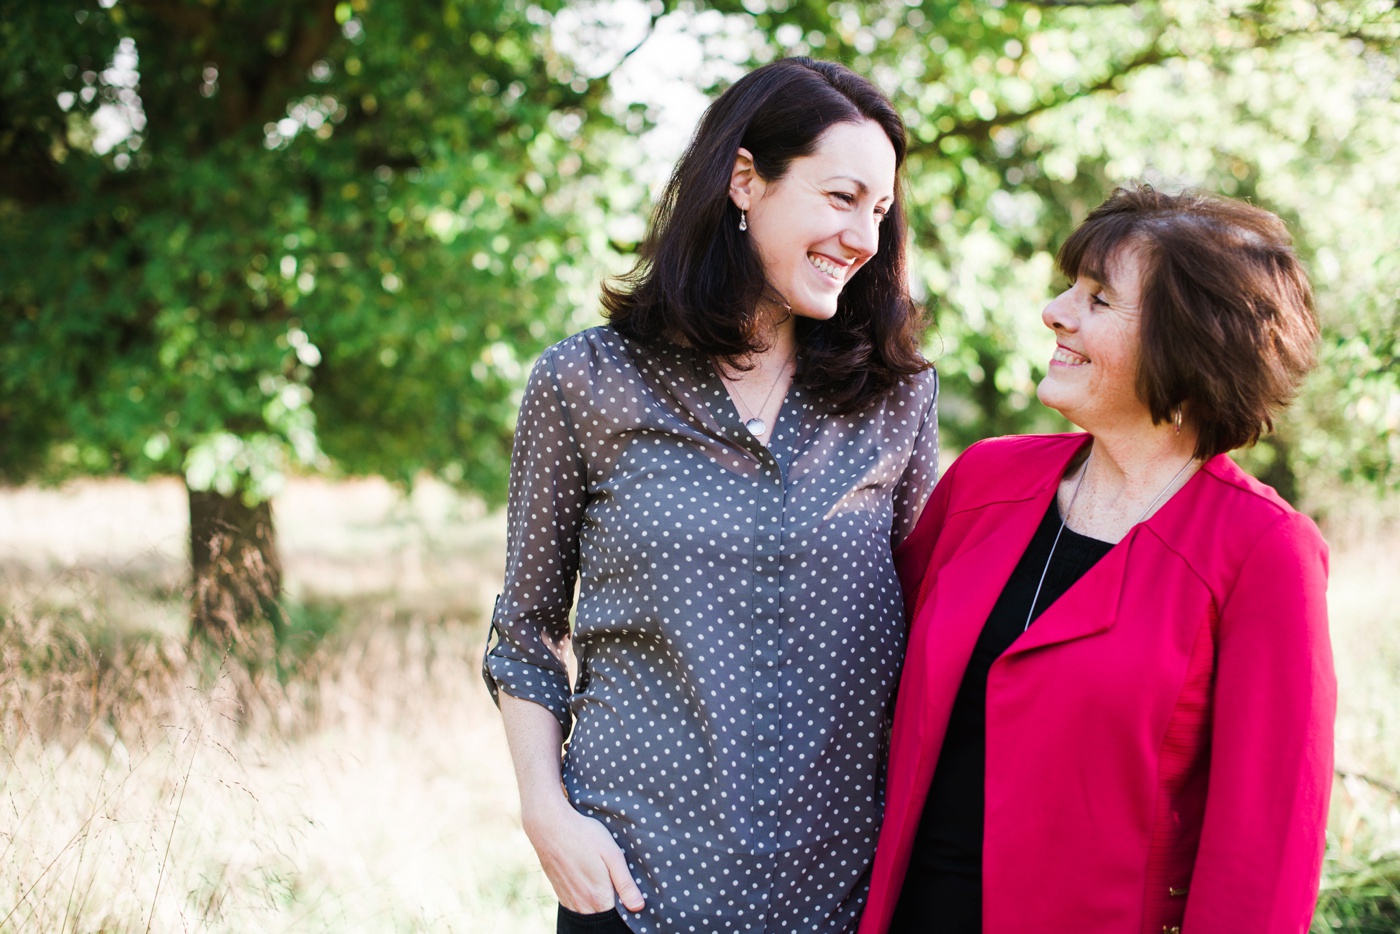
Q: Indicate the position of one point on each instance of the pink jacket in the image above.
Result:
(1159, 743)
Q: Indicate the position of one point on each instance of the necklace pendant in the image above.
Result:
(756, 426)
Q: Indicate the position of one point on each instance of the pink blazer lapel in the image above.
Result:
(953, 606)
(1089, 607)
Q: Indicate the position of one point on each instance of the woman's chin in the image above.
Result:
(815, 311)
(1046, 395)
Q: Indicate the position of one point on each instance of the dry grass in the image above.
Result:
(1361, 891)
(144, 788)
(366, 787)
(371, 800)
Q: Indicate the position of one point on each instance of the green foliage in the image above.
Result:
(337, 232)
(335, 235)
(1359, 897)
(306, 628)
(1023, 116)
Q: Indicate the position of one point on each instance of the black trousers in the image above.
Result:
(604, 922)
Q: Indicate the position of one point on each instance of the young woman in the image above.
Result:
(724, 471)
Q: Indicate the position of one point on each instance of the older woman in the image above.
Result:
(724, 471)
(1116, 712)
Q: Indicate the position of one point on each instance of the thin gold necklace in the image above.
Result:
(1064, 520)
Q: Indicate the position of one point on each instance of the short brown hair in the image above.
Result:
(1228, 327)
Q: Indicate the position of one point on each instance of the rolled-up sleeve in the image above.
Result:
(548, 494)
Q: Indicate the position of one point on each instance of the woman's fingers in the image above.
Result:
(585, 866)
(627, 891)
(583, 887)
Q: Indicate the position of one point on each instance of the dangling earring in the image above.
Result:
(743, 220)
(1176, 417)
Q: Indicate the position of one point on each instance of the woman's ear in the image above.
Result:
(745, 185)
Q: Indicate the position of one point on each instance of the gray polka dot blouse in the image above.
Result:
(739, 626)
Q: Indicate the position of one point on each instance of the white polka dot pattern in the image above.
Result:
(739, 626)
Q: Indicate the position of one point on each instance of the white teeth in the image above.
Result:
(831, 269)
(1068, 358)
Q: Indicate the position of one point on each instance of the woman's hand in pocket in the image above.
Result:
(583, 862)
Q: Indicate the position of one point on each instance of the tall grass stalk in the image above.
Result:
(163, 791)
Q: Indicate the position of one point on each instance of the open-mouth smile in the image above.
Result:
(827, 267)
(1067, 357)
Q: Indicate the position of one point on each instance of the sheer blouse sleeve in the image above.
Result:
(548, 494)
(922, 471)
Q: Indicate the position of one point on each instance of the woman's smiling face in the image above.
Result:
(1092, 379)
(818, 224)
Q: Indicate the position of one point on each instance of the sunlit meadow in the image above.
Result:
(362, 784)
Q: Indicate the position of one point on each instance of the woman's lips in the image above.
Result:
(827, 267)
(1066, 357)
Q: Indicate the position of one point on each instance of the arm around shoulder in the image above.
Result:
(921, 471)
(912, 557)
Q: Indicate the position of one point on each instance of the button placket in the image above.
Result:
(767, 654)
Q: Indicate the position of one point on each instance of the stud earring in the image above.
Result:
(1176, 417)
(743, 220)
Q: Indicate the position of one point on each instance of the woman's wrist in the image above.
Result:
(542, 811)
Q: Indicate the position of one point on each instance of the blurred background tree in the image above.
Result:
(249, 236)
(246, 237)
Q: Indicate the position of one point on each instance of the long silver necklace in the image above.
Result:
(754, 424)
(1064, 520)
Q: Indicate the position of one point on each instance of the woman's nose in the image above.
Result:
(863, 236)
(1058, 314)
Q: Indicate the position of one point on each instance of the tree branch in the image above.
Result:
(187, 19)
(1383, 39)
(667, 7)
(253, 89)
(1374, 782)
(982, 129)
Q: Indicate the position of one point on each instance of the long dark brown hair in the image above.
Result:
(699, 279)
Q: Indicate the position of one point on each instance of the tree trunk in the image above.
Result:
(237, 573)
(1279, 473)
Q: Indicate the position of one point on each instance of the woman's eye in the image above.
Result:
(880, 214)
(1097, 300)
(844, 197)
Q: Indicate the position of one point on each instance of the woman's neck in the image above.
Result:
(777, 335)
(758, 389)
(1129, 476)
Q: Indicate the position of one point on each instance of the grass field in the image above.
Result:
(364, 785)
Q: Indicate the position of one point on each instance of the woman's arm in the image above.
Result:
(911, 558)
(548, 497)
(544, 515)
(921, 472)
(1260, 855)
(577, 853)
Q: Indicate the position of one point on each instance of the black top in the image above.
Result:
(943, 888)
